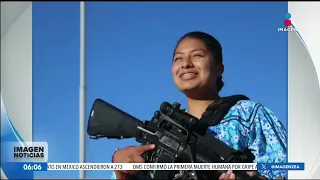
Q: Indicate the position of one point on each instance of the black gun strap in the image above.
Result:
(216, 111)
(213, 115)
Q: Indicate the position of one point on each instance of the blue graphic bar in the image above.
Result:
(281, 166)
(31, 166)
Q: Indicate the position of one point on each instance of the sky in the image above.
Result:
(129, 49)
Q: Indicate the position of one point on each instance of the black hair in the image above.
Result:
(212, 44)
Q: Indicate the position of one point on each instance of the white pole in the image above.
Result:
(82, 132)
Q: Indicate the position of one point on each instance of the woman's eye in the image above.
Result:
(197, 55)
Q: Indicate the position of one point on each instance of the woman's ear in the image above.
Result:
(220, 69)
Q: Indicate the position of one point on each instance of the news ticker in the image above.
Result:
(157, 166)
(33, 156)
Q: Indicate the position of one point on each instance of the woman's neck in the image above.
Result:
(197, 107)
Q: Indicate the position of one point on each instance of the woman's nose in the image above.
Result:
(187, 62)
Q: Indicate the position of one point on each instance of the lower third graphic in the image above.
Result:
(281, 166)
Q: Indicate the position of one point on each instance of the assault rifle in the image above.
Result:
(178, 136)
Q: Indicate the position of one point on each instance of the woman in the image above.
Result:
(197, 72)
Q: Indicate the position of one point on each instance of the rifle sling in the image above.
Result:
(213, 115)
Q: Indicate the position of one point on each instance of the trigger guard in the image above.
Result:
(145, 156)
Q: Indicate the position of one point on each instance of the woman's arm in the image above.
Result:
(268, 140)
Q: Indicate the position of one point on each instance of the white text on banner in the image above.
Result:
(151, 166)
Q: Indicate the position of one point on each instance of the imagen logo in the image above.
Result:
(287, 24)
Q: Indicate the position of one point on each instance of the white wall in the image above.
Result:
(303, 89)
(16, 73)
(16, 67)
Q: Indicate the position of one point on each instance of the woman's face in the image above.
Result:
(194, 66)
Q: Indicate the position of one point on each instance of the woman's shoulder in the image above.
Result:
(245, 109)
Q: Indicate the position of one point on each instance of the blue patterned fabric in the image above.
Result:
(249, 124)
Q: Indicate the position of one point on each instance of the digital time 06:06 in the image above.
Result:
(32, 167)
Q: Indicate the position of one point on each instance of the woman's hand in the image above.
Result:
(131, 154)
(230, 175)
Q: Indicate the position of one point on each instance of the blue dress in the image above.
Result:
(250, 124)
